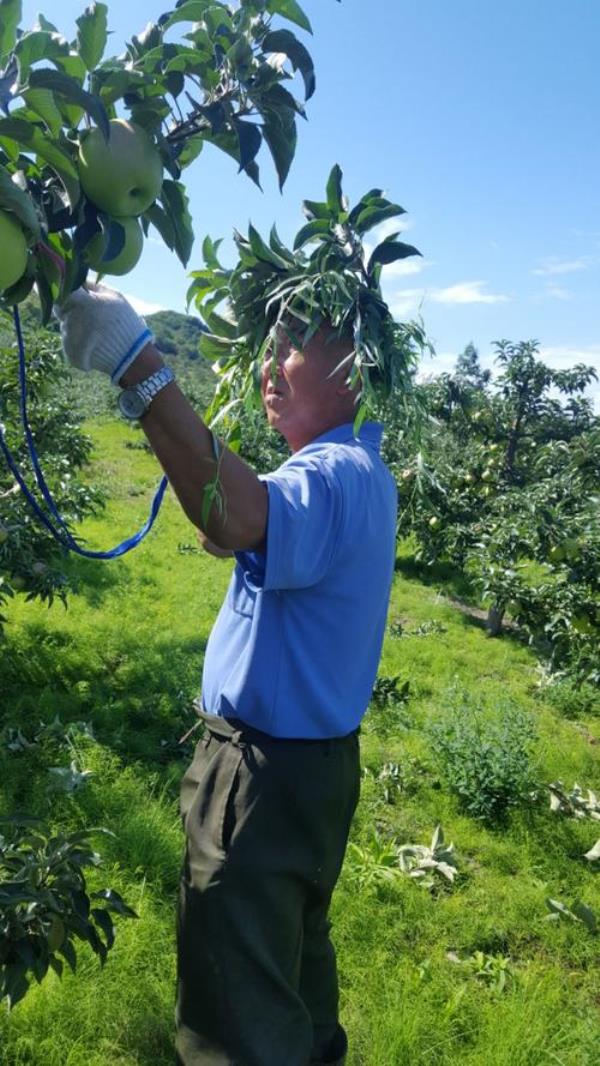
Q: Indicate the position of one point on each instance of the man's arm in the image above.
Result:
(182, 444)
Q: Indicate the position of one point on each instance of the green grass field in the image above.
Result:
(126, 659)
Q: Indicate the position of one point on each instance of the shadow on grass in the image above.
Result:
(93, 580)
(136, 696)
(443, 576)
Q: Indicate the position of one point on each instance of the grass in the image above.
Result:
(126, 657)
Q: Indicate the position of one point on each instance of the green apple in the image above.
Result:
(14, 251)
(434, 522)
(122, 175)
(126, 258)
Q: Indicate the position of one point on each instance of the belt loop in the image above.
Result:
(238, 740)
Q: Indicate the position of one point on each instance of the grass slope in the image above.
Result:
(126, 659)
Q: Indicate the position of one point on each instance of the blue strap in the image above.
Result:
(61, 532)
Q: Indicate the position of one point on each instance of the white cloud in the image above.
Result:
(391, 225)
(558, 293)
(144, 307)
(406, 301)
(467, 292)
(553, 265)
(403, 268)
(563, 356)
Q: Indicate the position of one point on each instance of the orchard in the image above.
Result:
(485, 711)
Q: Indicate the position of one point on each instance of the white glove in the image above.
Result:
(101, 331)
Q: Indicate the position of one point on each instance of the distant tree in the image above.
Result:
(505, 487)
(469, 370)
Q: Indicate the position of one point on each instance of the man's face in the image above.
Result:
(301, 396)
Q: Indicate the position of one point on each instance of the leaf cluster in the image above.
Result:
(45, 905)
(221, 81)
(326, 279)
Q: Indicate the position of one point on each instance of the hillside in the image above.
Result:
(177, 336)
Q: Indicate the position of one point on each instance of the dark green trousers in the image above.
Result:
(266, 824)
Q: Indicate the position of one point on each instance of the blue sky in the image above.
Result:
(479, 118)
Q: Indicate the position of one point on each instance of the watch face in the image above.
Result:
(131, 403)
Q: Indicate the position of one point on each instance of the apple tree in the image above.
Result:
(93, 150)
(506, 488)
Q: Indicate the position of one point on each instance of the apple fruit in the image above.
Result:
(126, 259)
(14, 251)
(122, 175)
(434, 522)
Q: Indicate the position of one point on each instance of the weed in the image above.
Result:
(486, 758)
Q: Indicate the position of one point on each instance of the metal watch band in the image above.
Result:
(150, 387)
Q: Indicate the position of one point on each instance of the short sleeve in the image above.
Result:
(305, 516)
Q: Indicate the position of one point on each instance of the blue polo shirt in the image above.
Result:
(295, 648)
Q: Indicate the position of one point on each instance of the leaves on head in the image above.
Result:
(325, 277)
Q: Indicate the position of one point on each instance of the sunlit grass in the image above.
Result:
(126, 659)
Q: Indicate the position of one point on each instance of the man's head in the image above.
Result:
(305, 387)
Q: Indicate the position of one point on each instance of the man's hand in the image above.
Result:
(213, 549)
(101, 331)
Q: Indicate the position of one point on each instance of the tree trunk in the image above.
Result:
(493, 622)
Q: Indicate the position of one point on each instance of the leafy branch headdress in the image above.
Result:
(273, 287)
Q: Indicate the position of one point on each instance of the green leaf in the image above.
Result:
(250, 140)
(92, 34)
(313, 209)
(335, 196)
(389, 251)
(175, 202)
(585, 915)
(319, 227)
(373, 216)
(36, 45)
(33, 139)
(192, 11)
(163, 223)
(284, 41)
(281, 136)
(14, 199)
(42, 103)
(190, 150)
(262, 250)
(10, 16)
(291, 11)
(103, 919)
(64, 85)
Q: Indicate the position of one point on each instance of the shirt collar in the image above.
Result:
(370, 433)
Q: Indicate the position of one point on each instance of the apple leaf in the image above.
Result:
(162, 222)
(389, 251)
(92, 34)
(10, 17)
(32, 139)
(250, 140)
(373, 216)
(175, 202)
(279, 131)
(64, 85)
(284, 41)
(290, 10)
(42, 103)
(191, 11)
(12, 198)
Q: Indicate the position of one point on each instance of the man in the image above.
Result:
(268, 800)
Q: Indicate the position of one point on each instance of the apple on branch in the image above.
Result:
(126, 259)
(122, 175)
(13, 243)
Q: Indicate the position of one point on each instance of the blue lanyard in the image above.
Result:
(61, 531)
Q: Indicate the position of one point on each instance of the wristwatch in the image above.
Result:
(136, 399)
